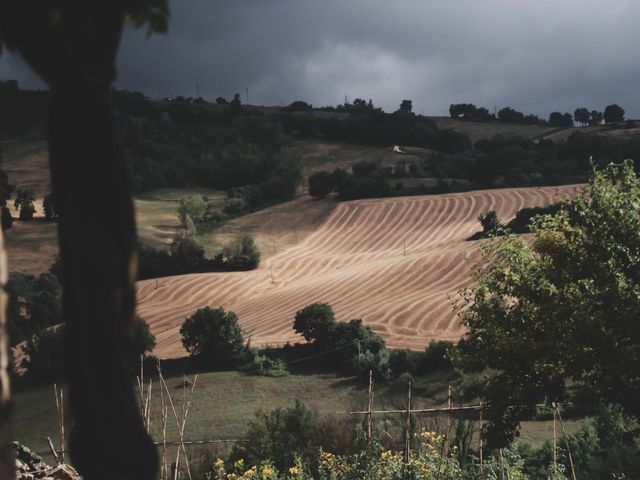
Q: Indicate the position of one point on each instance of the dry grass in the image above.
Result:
(479, 130)
(156, 212)
(392, 262)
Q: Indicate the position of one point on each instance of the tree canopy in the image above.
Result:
(561, 310)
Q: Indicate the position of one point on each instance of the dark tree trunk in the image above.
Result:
(74, 50)
(97, 246)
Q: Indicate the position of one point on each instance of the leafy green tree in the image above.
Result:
(194, 206)
(279, 436)
(214, 337)
(222, 101)
(582, 116)
(558, 119)
(24, 202)
(595, 117)
(559, 310)
(241, 253)
(508, 114)
(320, 184)
(142, 340)
(613, 113)
(315, 322)
(406, 106)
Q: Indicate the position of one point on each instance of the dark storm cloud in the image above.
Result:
(536, 56)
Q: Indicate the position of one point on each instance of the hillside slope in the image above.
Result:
(391, 262)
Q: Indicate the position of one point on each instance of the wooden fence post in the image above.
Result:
(481, 432)
(555, 441)
(407, 430)
(370, 405)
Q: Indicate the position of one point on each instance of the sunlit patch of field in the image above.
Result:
(391, 262)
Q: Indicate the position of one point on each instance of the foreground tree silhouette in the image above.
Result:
(72, 45)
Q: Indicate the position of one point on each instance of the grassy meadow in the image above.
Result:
(224, 402)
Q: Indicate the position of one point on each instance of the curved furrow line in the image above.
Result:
(354, 261)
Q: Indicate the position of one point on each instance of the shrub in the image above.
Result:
(437, 355)
(402, 361)
(45, 355)
(261, 364)
(320, 184)
(280, 436)
(214, 337)
(234, 207)
(193, 206)
(241, 253)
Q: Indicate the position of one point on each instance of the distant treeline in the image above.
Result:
(496, 162)
(468, 111)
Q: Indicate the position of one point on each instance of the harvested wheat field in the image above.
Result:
(391, 262)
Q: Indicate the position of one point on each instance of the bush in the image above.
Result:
(402, 361)
(437, 355)
(214, 337)
(320, 184)
(45, 355)
(241, 253)
(280, 436)
(261, 364)
(193, 206)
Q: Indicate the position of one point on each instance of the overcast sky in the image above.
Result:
(535, 55)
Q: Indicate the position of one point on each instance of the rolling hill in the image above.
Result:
(391, 262)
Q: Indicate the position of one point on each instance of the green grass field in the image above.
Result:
(157, 212)
(223, 403)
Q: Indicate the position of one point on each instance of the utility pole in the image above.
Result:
(358, 359)
(247, 96)
(197, 90)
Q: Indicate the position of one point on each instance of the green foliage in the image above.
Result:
(241, 253)
(281, 436)
(45, 355)
(607, 446)
(437, 355)
(315, 322)
(142, 340)
(261, 364)
(558, 119)
(214, 337)
(468, 111)
(193, 207)
(557, 311)
(613, 113)
(582, 116)
(34, 304)
(490, 222)
(320, 184)
(24, 202)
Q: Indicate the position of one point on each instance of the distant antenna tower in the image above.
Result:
(247, 96)
(346, 99)
(197, 90)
